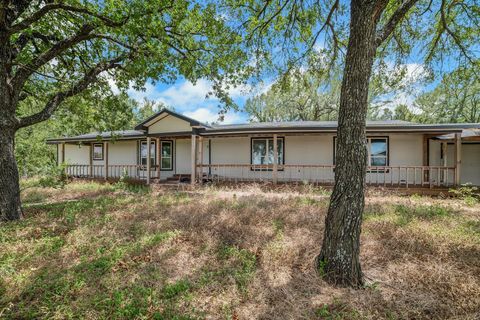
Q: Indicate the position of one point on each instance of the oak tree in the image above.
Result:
(51, 51)
(363, 32)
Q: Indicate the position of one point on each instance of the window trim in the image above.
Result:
(387, 156)
(269, 165)
(154, 142)
(387, 139)
(93, 152)
(171, 156)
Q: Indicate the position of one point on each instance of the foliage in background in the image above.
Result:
(94, 111)
(301, 95)
(455, 99)
(309, 94)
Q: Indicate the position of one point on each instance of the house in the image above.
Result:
(399, 153)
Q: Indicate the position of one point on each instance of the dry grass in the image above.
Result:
(101, 251)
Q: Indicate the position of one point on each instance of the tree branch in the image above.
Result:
(59, 97)
(455, 38)
(27, 22)
(394, 20)
(25, 71)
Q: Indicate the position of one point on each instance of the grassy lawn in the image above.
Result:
(110, 251)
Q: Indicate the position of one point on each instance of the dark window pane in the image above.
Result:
(379, 161)
(259, 151)
(270, 151)
(166, 163)
(143, 150)
(97, 152)
(379, 147)
(152, 151)
(166, 149)
(144, 153)
(280, 151)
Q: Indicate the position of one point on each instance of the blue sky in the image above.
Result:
(190, 99)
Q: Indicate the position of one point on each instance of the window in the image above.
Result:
(143, 153)
(377, 151)
(166, 152)
(262, 151)
(97, 153)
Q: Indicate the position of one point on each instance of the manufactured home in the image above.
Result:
(170, 146)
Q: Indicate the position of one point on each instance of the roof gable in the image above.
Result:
(164, 113)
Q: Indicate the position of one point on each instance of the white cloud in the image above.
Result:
(150, 93)
(184, 94)
(414, 72)
(207, 115)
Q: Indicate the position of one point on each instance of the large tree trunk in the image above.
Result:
(10, 206)
(339, 257)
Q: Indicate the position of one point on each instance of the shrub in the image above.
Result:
(468, 193)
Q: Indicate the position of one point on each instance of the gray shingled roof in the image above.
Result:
(332, 125)
(122, 134)
(466, 133)
(327, 126)
(301, 124)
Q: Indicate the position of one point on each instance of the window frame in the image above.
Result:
(369, 154)
(387, 151)
(93, 152)
(154, 155)
(270, 166)
(171, 156)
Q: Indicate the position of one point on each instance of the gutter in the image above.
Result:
(76, 139)
(333, 130)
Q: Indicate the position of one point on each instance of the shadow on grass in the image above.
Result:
(185, 255)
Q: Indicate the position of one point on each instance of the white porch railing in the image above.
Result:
(397, 176)
(393, 176)
(117, 171)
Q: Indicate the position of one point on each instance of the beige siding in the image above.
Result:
(309, 149)
(76, 154)
(406, 149)
(234, 150)
(182, 159)
(169, 124)
(122, 152)
(470, 164)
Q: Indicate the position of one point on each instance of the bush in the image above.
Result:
(54, 178)
(468, 193)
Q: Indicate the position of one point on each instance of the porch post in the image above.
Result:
(149, 159)
(425, 160)
(458, 158)
(444, 147)
(158, 159)
(63, 160)
(63, 153)
(90, 167)
(200, 160)
(193, 153)
(275, 159)
(105, 149)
